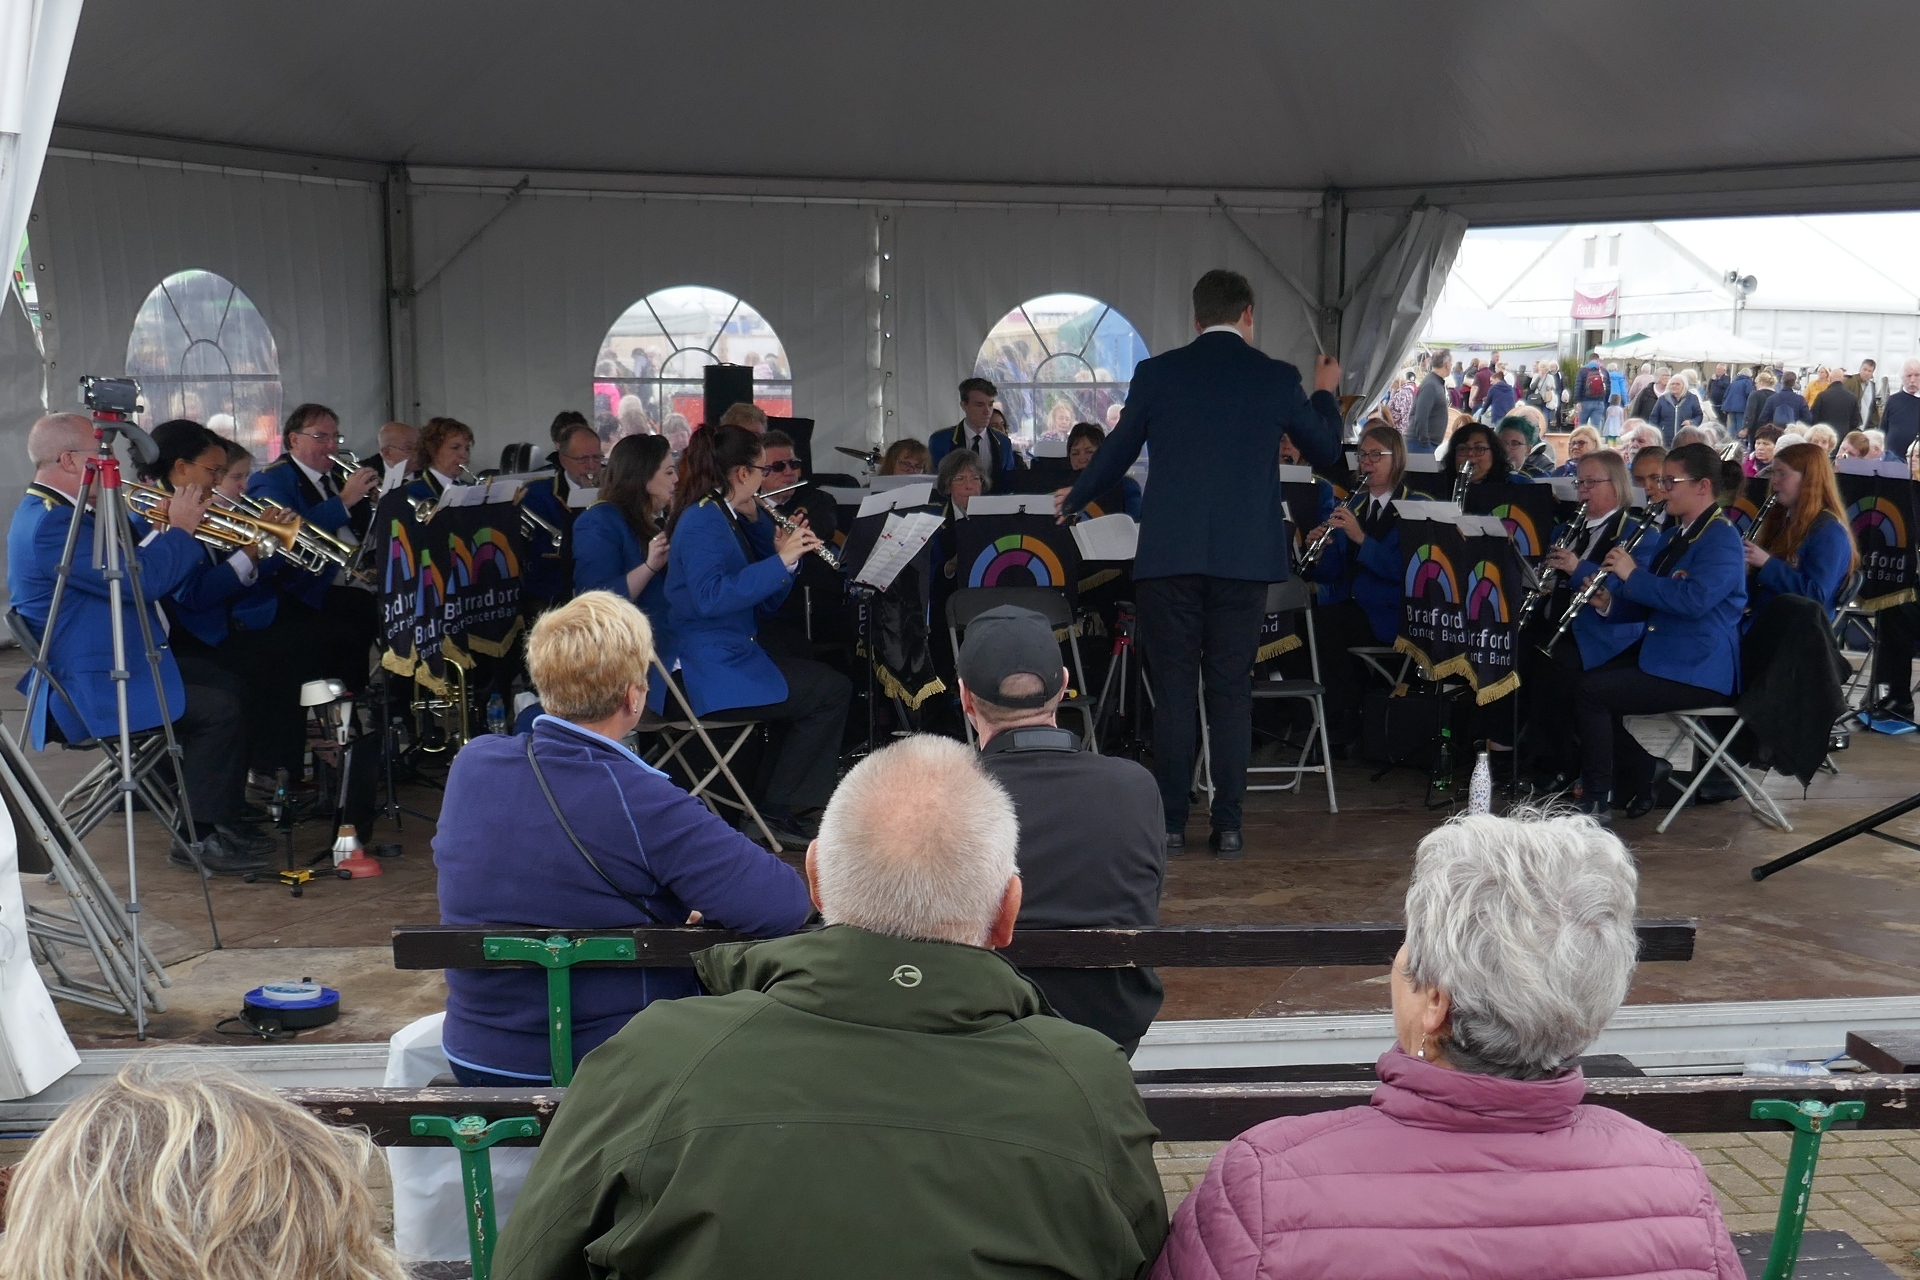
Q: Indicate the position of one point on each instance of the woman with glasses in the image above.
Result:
(1527, 454)
(1360, 572)
(730, 567)
(1551, 681)
(1474, 449)
(1804, 547)
(618, 542)
(1689, 586)
(1583, 441)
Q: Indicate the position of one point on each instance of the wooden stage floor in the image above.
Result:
(1846, 923)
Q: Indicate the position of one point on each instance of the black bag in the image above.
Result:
(1404, 729)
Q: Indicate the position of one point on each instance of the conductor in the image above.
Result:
(1211, 530)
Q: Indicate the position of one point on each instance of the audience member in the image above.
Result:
(1788, 406)
(1858, 444)
(1838, 408)
(1900, 418)
(1732, 408)
(1427, 424)
(1582, 441)
(564, 827)
(1639, 435)
(1759, 404)
(165, 1174)
(1676, 407)
(1765, 440)
(1824, 436)
(1092, 832)
(1867, 391)
(881, 1097)
(1477, 1157)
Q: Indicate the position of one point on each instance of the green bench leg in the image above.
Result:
(557, 955)
(1810, 1121)
(471, 1136)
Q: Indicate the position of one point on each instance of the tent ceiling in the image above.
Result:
(1240, 95)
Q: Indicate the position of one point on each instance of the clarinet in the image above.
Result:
(790, 525)
(1550, 580)
(1316, 548)
(1587, 592)
(1753, 530)
(1460, 486)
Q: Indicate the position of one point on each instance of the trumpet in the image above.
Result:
(1587, 592)
(221, 530)
(1753, 530)
(345, 463)
(824, 551)
(1550, 580)
(313, 548)
(1317, 548)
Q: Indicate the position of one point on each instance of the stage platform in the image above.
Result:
(1845, 924)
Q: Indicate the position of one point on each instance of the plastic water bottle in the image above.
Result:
(1480, 790)
(496, 715)
(1443, 763)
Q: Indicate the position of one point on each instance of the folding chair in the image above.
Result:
(676, 731)
(968, 603)
(1378, 657)
(1691, 722)
(1293, 595)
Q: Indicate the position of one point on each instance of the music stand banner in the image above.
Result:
(1529, 512)
(1881, 510)
(403, 555)
(896, 633)
(1490, 598)
(1433, 615)
(485, 549)
(1016, 551)
(1741, 511)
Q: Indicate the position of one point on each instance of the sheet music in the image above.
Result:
(907, 495)
(1291, 474)
(1114, 537)
(395, 477)
(1416, 509)
(901, 538)
(880, 484)
(1011, 504)
(1426, 464)
(1565, 488)
(582, 498)
(1893, 468)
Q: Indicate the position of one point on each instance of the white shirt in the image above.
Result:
(446, 482)
(319, 478)
(981, 444)
(1223, 328)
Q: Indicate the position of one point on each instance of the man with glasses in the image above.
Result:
(397, 442)
(577, 462)
(302, 481)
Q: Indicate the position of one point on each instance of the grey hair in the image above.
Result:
(957, 461)
(918, 841)
(1526, 923)
(56, 433)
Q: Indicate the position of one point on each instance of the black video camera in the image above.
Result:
(110, 395)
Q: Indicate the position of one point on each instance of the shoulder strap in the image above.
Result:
(567, 827)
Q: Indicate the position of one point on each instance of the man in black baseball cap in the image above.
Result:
(1092, 835)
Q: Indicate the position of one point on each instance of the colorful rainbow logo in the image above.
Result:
(433, 588)
(400, 564)
(1015, 553)
(1486, 594)
(1882, 517)
(1427, 569)
(490, 550)
(1526, 538)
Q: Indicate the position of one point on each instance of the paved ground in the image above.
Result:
(1868, 1184)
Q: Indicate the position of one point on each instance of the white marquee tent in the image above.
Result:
(441, 209)
(1693, 345)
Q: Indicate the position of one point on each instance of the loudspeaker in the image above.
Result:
(726, 386)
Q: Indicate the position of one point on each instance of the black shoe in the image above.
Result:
(251, 813)
(1599, 810)
(245, 839)
(791, 832)
(1176, 843)
(221, 860)
(1555, 782)
(1644, 800)
(1226, 844)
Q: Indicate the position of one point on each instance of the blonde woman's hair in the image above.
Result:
(190, 1173)
(1589, 434)
(585, 655)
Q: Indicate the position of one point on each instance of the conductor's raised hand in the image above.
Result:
(1326, 374)
(791, 544)
(187, 507)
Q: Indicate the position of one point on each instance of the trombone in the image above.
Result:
(223, 530)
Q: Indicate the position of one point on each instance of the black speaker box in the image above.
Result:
(726, 386)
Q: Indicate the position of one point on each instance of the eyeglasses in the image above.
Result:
(1591, 484)
(584, 457)
(325, 437)
(1375, 455)
(787, 464)
(1473, 450)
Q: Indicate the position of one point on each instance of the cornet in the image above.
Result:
(223, 530)
(313, 549)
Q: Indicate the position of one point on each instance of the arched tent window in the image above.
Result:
(201, 350)
(1060, 359)
(651, 360)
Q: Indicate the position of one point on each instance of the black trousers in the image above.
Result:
(343, 631)
(1192, 625)
(1896, 630)
(1551, 684)
(269, 666)
(213, 738)
(1336, 629)
(1608, 693)
(811, 723)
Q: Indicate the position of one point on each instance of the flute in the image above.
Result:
(824, 551)
(1311, 556)
(1587, 592)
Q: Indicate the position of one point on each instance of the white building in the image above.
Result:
(1824, 289)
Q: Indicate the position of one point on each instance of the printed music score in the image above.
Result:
(900, 541)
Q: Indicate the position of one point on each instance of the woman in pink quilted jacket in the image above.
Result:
(1475, 1159)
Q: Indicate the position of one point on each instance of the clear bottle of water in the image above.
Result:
(496, 714)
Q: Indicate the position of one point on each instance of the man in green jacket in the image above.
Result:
(885, 1097)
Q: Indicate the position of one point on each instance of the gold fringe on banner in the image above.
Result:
(1878, 603)
(1498, 689)
(1458, 665)
(891, 686)
(1285, 644)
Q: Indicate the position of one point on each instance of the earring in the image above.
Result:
(1420, 1051)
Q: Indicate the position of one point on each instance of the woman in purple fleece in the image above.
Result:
(649, 853)
(1476, 1158)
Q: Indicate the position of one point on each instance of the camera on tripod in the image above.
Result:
(111, 395)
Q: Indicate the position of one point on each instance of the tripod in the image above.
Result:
(1125, 674)
(115, 559)
(1867, 826)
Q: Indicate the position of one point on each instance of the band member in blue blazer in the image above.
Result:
(1690, 595)
(1804, 546)
(1360, 572)
(619, 544)
(976, 432)
(1551, 682)
(1475, 448)
(1212, 535)
(225, 620)
(206, 718)
(577, 463)
(301, 480)
(730, 566)
(445, 448)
